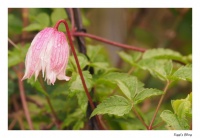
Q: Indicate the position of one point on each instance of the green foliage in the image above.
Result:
(82, 61)
(74, 120)
(58, 14)
(183, 107)
(146, 93)
(158, 68)
(33, 27)
(14, 57)
(161, 53)
(15, 24)
(76, 84)
(37, 85)
(173, 120)
(183, 73)
(182, 113)
(130, 58)
(116, 105)
(40, 22)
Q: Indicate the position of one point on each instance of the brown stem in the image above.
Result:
(72, 18)
(79, 68)
(12, 43)
(23, 99)
(19, 74)
(34, 102)
(108, 41)
(159, 104)
(12, 124)
(139, 117)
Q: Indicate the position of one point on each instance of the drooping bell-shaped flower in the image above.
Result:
(49, 52)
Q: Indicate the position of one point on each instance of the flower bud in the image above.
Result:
(49, 52)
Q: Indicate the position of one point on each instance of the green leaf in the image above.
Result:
(183, 73)
(58, 14)
(43, 19)
(161, 53)
(130, 86)
(157, 67)
(36, 84)
(74, 119)
(76, 83)
(116, 105)
(14, 25)
(33, 27)
(82, 61)
(112, 76)
(183, 107)
(17, 55)
(146, 93)
(173, 120)
(130, 58)
(93, 52)
(78, 125)
(189, 97)
(82, 100)
(100, 65)
(124, 88)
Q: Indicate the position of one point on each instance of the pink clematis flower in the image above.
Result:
(49, 52)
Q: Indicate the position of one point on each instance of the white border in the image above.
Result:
(4, 133)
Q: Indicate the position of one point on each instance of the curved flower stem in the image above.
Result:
(79, 68)
(159, 104)
(108, 41)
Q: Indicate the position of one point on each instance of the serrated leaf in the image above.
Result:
(129, 85)
(83, 61)
(157, 67)
(114, 76)
(146, 93)
(72, 119)
(36, 84)
(76, 83)
(17, 55)
(130, 58)
(116, 105)
(161, 53)
(93, 52)
(33, 27)
(183, 73)
(124, 88)
(174, 121)
(182, 107)
(43, 19)
(82, 100)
